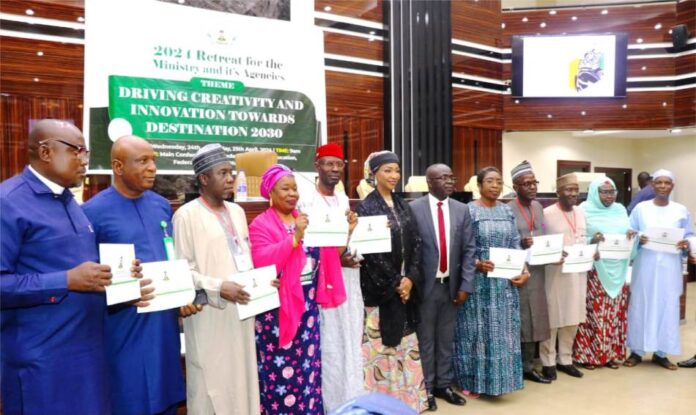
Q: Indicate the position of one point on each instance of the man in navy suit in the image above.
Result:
(447, 267)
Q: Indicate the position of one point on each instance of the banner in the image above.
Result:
(182, 76)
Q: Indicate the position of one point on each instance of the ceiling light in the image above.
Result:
(327, 8)
(372, 32)
(542, 24)
(658, 26)
(29, 12)
(574, 18)
(664, 104)
(624, 106)
(36, 79)
(670, 31)
(517, 101)
(524, 19)
(549, 116)
(502, 25)
(39, 53)
(552, 12)
(642, 68)
(583, 113)
(675, 130)
(80, 19)
(639, 40)
(182, 1)
(605, 11)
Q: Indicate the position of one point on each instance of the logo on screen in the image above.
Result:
(587, 70)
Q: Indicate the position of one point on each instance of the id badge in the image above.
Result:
(306, 275)
(243, 262)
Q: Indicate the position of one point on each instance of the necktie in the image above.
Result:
(443, 241)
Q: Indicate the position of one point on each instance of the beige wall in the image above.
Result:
(543, 149)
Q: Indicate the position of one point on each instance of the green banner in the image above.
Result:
(178, 117)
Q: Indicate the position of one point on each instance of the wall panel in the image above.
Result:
(475, 148)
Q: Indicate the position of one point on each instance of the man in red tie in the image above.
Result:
(447, 267)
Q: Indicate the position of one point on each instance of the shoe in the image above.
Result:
(633, 360)
(570, 370)
(612, 365)
(664, 362)
(449, 395)
(549, 372)
(689, 363)
(432, 405)
(535, 376)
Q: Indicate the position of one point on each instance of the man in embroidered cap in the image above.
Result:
(565, 292)
(656, 284)
(534, 316)
(212, 234)
(341, 327)
(128, 212)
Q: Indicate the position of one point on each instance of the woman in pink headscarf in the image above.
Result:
(287, 339)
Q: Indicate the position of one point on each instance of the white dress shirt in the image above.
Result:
(445, 211)
(54, 187)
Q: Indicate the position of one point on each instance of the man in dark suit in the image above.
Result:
(447, 268)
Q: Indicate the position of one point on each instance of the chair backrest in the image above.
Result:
(254, 164)
(416, 184)
(364, 189)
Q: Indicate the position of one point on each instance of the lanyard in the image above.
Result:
(530, 224)
(573, 226)
(168, 242)
(227, 225)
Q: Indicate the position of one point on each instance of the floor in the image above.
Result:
(646, 389)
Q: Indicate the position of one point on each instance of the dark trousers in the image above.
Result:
(436, 335)
(528, 355)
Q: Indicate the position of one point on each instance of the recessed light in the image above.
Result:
(670, 31)
(664, 104)
(574, 18)
(36, 79)
(542, 24)
(605, 11)
(327, 8)
(658, 26)
(642, 68)
(524, 19)
(552, 12)
(502, 25)
(29, 12)
(39, 53)
(624, 106)
(549, 116)
(675, 130)
(583, 113)
(517, 101)
(639, 40)
(372, 32)
(182, 1)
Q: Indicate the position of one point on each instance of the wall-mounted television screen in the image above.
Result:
(569, 66)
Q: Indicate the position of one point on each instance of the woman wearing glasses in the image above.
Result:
(601, 339)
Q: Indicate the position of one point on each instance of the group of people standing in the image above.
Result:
(421, 322)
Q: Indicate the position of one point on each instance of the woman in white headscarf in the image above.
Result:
(653, 312)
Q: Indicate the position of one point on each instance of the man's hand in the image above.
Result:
(485, 265)
(521, 279)
(527, 242)
(630, 234)
(190, 309)
(146, 293)
(89, 277)
(136, 270)
(692, 259)
(350, 261)
(352, 220)
(563, 257)
(643, 240)
(683, 245)
(231, 291)
(301, 222)
(461, 297)
(275, 283)
(404, 289)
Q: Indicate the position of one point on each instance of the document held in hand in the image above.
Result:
(371, 235)
(508, 262)
(616, 246)
(173, 285)
(580, 258)
(664, 239)
(257, 282)
(120, 258)
(546, 249)
(327, 227)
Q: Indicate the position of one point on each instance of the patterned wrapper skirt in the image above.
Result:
(395, 371)
(602, 337)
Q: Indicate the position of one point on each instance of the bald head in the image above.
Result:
(57, 152)
(440, 180)
(133, 164)
(57, 129)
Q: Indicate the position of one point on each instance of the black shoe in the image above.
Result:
(432, 405)
(449, 395)
(689, 363)
(570, 370)
(535, 376)
(549, 372)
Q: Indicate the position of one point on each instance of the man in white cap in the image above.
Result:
(653, 311)
(212, 234)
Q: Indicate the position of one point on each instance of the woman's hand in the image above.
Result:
(643, 240)
(521, 279)
(352, 218)
(597, 238)
(527, 242)
(301, 222)
(630, 234)
(485, 265)
(683, 245)
(275, 283)
(404, 289)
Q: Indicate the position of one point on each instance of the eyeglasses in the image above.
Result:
(452, 179)
(81, 152)
(530, 184)
(608, 192)
(334, 164)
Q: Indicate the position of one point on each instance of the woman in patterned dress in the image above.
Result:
(287, 338)
(389, 284)
(487, 355)
(601, 339)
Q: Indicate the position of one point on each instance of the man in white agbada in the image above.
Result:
(341, 327)
(212, 234)
(656, 283)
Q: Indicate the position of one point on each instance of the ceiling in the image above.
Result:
(544, 4)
